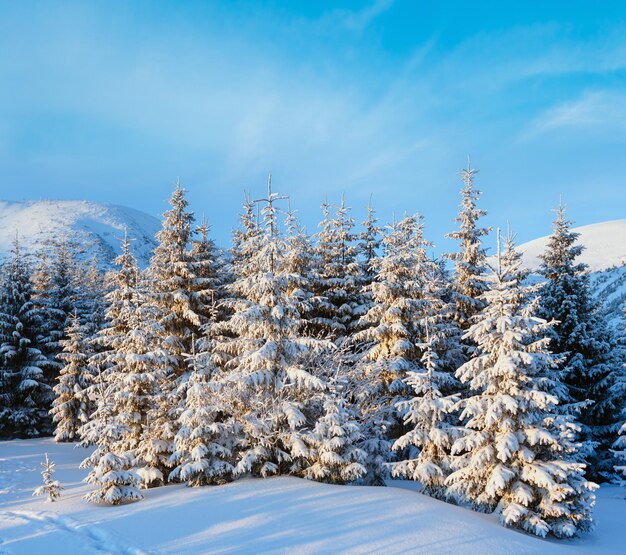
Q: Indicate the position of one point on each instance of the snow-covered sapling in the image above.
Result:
(50, 487)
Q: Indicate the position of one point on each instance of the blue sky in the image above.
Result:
(112, 101)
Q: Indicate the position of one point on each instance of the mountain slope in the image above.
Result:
(95, 227)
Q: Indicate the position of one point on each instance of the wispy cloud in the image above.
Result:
(358, 20)
(593, 109)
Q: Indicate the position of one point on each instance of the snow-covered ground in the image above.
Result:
(275, 515)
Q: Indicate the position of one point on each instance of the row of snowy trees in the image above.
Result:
(344, 357)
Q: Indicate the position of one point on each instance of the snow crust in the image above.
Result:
(273, 515)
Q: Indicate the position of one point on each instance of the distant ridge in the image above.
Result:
(96, 227)
(605, 246)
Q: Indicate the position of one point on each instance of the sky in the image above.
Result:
(113, 101)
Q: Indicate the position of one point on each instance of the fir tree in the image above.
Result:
(298, 262)
(71, 407)
(132, 367)
(51, 488)
(514, 459)
(391, 340)
(25, 394)
(335, 456)
(244, 237)
(173, 282)
(111, 472)
(91, 297)
(207, 288)
(338, 303)
(430, 438)
(179, 294)
(580, 340)
(62, 295)
(470, 260)
(272, 393)
(207, 436)
(42, 286)
(370, 240)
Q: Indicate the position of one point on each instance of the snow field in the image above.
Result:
(274, 515)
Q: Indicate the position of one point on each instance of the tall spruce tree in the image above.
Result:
(515, 459)
(425, 447)
(72, 406)
(337, 303)
(470, 259)
(111, 472)
(207, 437)
(273, 394)
(299, 262)
(91, 301)
(582, 343)
(25, 393)
(370, 240)
(179, 294)
(391, 340)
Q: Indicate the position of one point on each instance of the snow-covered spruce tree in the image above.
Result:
(428, 442)
(180, 298)
(131, 366)
(338, 302)
(370, 240)
(71, 406)
(51, 488)
(175, 291)
(618, 391)
(111, 472)
(91, 297)
(42, 285)
(586, 365)
(470, 259)
(137, 401)
(208, 286)
(25, 394)
(514, 459)
(122, 286)
(298, 262)
(391, 338)
(62, 295)
(272, 394)
(335, 456)
(207, 435)
(244, 237)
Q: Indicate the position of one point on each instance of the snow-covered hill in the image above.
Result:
(605, 246)
(605, 254)
(94, 226)
(275, 515)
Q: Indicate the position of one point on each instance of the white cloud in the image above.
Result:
(600, 108)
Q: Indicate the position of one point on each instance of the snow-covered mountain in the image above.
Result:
(605, 246)
(96, 227)
(605, 254)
